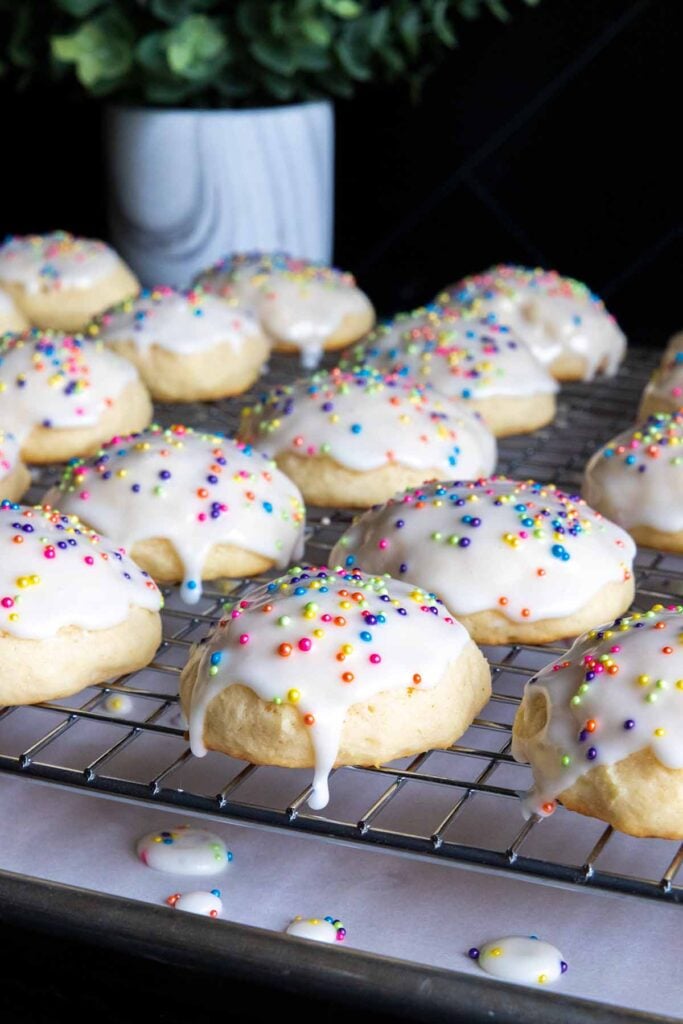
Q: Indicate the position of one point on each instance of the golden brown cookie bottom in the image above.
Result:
(395, 723)
(494, 628)
(637, 795)
(215, 373)
(128, 414)
(72, 309)
(37, 670)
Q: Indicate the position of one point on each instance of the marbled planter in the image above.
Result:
(188, 186)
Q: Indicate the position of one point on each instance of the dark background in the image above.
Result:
(546, 141)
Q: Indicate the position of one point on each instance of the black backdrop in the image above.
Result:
(545, 141)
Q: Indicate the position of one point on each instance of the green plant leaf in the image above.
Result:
(195, 47)
(316, 31)
(335, 83)
(275, 57)
(174, 11)
(282, 88)
(223, 52)
(378, 28)
(21, 42)
(250, 19)
(498, 10)
(150, 53)
(409, 25)
(343, 8)
(469, 9)
(167, 93)
(441, 24)
(353, 51)
(394, 61)
(106, 87)
(311, 58)
(233, 87)
(79, 8)
(100, 49)
(277, 19)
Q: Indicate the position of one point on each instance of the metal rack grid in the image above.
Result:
(460, 803)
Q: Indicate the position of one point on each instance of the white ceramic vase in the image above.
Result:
(189, 186)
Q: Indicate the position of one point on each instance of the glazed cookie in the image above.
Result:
(188, 506)
(353, 440)
(64, 396)
(482, 363)
(322, 668)
(637, 480)
(61, 281)
(12, 320)
(303, 307)
(664, 391)
(674, 346)
(602, 727)
(516, 562)
(14, 476)
(187, 346)
(74, 609)
(566, 327)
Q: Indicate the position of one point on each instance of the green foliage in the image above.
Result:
(231, 52)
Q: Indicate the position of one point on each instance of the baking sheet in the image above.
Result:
(621, 950)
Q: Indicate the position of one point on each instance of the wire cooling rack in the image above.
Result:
(461, 803)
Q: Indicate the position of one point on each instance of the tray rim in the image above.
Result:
(355, 978)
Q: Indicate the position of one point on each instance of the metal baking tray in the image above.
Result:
(470, 791)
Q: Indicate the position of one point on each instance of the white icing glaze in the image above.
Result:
(366, 421)
(57, 380)
(554, 315)
(551, 552)
(182, 322)
(296, 301)
(617, 691)
(195, 490)
(391, 636)
(207, 904)
(664, 390)
(118, 704)
(9, 454)
(637, 477)
(55, 261)
(55, 573)
(7, 306)
(184, 850)
(319, 929)
(524, 959)
(460, 359)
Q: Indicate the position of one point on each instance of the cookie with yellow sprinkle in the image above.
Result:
(187, 346)
(64, 395)
(74, 609)
(515, 561)
(305, 307)
(61, 281)
(188, 506)
(327, 667)
(354, 439)
(637, 480)
(602, 727)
